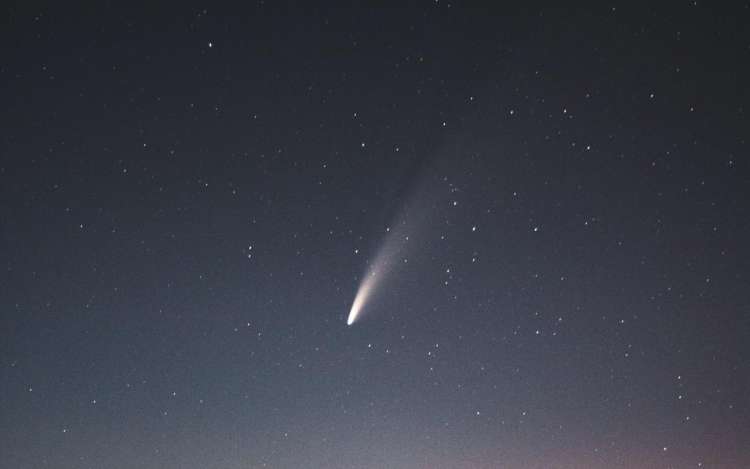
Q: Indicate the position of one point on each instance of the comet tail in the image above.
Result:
(365, 289)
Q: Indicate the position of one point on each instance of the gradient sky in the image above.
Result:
(190, 197)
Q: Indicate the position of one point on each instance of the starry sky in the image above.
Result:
(191, 196)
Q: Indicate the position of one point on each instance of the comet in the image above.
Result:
(389, 255)
(373, 278)
(363, 294)
(417, 214)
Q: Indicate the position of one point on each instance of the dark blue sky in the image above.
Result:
(190, 197)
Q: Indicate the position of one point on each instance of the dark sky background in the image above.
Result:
(190, 196)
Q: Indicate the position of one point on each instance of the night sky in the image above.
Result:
(554, 201)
